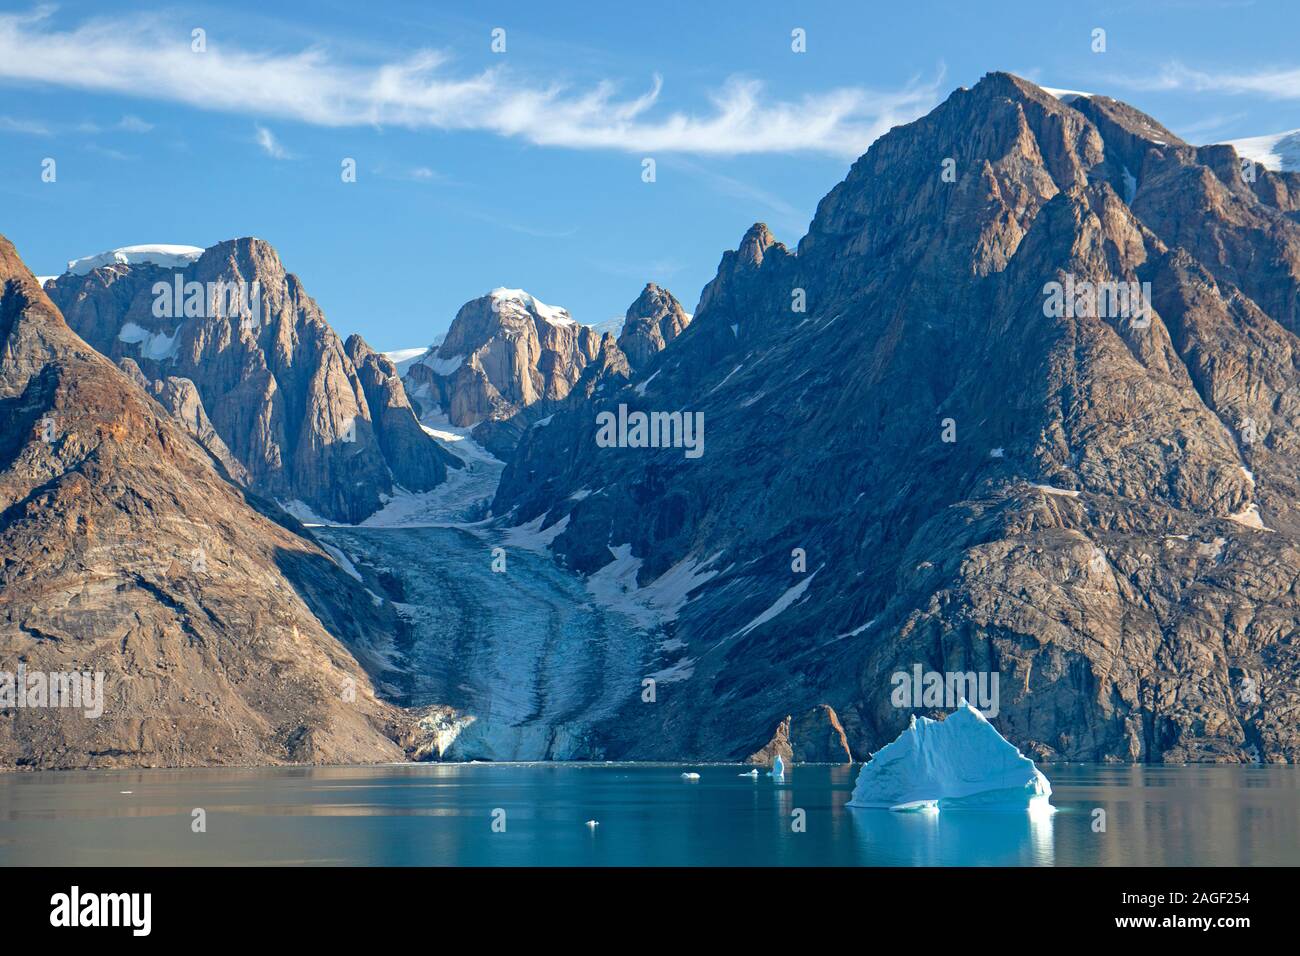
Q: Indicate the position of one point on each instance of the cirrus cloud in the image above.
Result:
(148, 60)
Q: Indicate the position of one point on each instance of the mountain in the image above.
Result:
(503, 352)
(285, 395)
(1024, 402)
(652, 321)
(222, 633)
(1279, 152)
(509, 358)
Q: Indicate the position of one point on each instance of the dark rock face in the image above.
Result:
(778, 746)
(914, 458)
(275, 380)
(223, 633)
(653, 320)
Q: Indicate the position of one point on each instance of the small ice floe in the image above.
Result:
(690, 776)
(778, 769)
(126, 791)
(751, 773)
(592, 824)
(960, 762)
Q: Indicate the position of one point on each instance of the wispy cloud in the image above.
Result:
(133, 124)
(1281, 83)
(784, 215)
(9, 124)
(270, 145)
(140, 58)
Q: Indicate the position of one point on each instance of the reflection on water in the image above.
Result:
(441, 814)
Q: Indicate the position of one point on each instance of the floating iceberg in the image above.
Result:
(690, 776)
(778, 769)
(957, 763)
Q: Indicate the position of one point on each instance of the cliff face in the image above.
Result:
(504, 352)
(927, 444)
(276, 382)
(652, 321)
(222, 636)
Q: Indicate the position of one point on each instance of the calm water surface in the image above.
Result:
(441, 814)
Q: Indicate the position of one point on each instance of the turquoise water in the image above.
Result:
(443, 814)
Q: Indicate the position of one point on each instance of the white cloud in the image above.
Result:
(266, 139)
(140, 58)
(9, 124)
(1276, 83)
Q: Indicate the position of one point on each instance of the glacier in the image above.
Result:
(960, 762)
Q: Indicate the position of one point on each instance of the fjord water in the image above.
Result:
(442, 814)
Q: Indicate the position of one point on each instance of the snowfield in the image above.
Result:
(169, 257)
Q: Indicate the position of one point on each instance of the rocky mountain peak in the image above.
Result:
(652, 321)
(980, 480)
(275, 381)
(129, 555)
(504, 351)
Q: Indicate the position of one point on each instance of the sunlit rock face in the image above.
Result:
(210, 628)
(287, 398)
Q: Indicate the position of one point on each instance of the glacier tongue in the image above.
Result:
(959, 762)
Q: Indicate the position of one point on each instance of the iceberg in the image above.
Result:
(778, 769)
(691, 776)
(961, 762)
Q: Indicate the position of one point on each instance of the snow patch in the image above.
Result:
(784, 601)
(1053, 490)
(531, 536)
(856, 631)
(341, 559)
(640, 389)
(1067, 96)
(660, 601)
(153, 345)
(726, 379)
(169, 257)
(549, 313)
(1279, 152)
(303, 512)
(1249, 517)
(443, 366)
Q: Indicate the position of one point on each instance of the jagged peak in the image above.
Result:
(756, 241)
(653, 301)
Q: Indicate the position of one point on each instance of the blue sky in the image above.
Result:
(478, 169)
